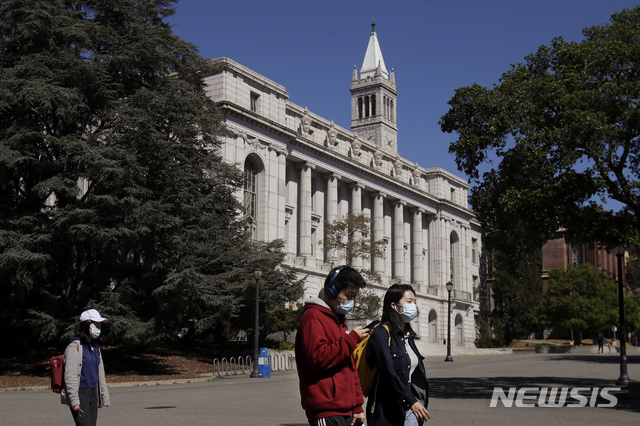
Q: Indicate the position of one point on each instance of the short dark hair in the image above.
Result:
(390, 315)
(345, 276)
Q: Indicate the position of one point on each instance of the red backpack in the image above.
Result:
(56, 371)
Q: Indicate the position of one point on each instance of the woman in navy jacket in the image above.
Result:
(402, 394)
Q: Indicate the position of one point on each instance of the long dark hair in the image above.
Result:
(83, 331)
(389, 315)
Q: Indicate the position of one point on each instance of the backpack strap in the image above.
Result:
(375, 392)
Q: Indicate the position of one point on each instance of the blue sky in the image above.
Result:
(434, 47)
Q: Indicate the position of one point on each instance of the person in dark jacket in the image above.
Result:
(400, 395)
(329, 384)
(600, 343)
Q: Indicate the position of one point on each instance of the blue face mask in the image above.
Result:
(95, 333)
(409, 312)
(345, 307)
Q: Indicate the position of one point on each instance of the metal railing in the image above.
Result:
(282, 362)
(232, 366)
(244, 365)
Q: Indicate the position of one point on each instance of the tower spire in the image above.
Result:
(373, 57)
(373, 100)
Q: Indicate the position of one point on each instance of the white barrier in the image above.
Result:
(278, 360)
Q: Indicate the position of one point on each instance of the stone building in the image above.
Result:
(302, 170)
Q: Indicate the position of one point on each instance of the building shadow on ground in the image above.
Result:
(595, 358)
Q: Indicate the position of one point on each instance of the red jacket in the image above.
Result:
(329, 384)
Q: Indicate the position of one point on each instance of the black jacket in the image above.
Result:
(394, 394)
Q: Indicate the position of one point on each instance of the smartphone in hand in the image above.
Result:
(371, 325)
(358, 422)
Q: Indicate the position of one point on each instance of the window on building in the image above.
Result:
(576, 254)
(366, 106)
(452, 258)
(254, 101)
(249, 202)
(474, 251)
(373, 105)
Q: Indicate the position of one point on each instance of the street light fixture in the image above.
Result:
(255, 372)
(449, 286)
(623, 380)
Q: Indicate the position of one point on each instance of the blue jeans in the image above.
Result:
(410, 419)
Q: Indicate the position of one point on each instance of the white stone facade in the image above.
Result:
(307, 170)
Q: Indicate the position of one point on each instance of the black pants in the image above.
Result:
(332, 421)
(88, 414)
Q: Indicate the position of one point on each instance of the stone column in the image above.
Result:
(378, 228)
(398, 240)
(304, 203)
(275, 205)
(437, 260)
(356, 209)
(465, 250)
(416, 249)
(331, 205)
(332, 196)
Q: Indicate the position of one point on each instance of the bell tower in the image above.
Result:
(373, 100)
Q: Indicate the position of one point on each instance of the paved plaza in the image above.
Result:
(460, 394)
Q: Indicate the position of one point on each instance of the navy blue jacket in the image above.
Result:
(394, 394)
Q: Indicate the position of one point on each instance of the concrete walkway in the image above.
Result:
(460, 394)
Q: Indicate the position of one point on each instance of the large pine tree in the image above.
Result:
(112, 194)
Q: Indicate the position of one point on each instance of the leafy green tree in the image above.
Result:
(517, 291)
(489, 335)
(112, 194)
(368, 306)
(633, 276)
(283, 319)
(580, 298)
(631, 315)
(555, 138)
(350, 238)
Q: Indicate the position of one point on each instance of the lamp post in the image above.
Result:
(623, 380)
(255, 372)
(449, 286)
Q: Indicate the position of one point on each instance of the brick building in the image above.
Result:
(561, 252)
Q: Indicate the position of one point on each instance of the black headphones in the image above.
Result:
(330, 290)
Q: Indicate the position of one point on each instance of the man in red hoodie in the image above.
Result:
(329, 384)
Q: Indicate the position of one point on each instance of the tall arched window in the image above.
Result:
(459, 339)
(433, 326)
(373, 105)
(249, 202)
(366, 106)
(452, 259)
(360, 106)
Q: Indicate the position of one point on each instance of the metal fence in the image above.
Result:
(243, 365)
